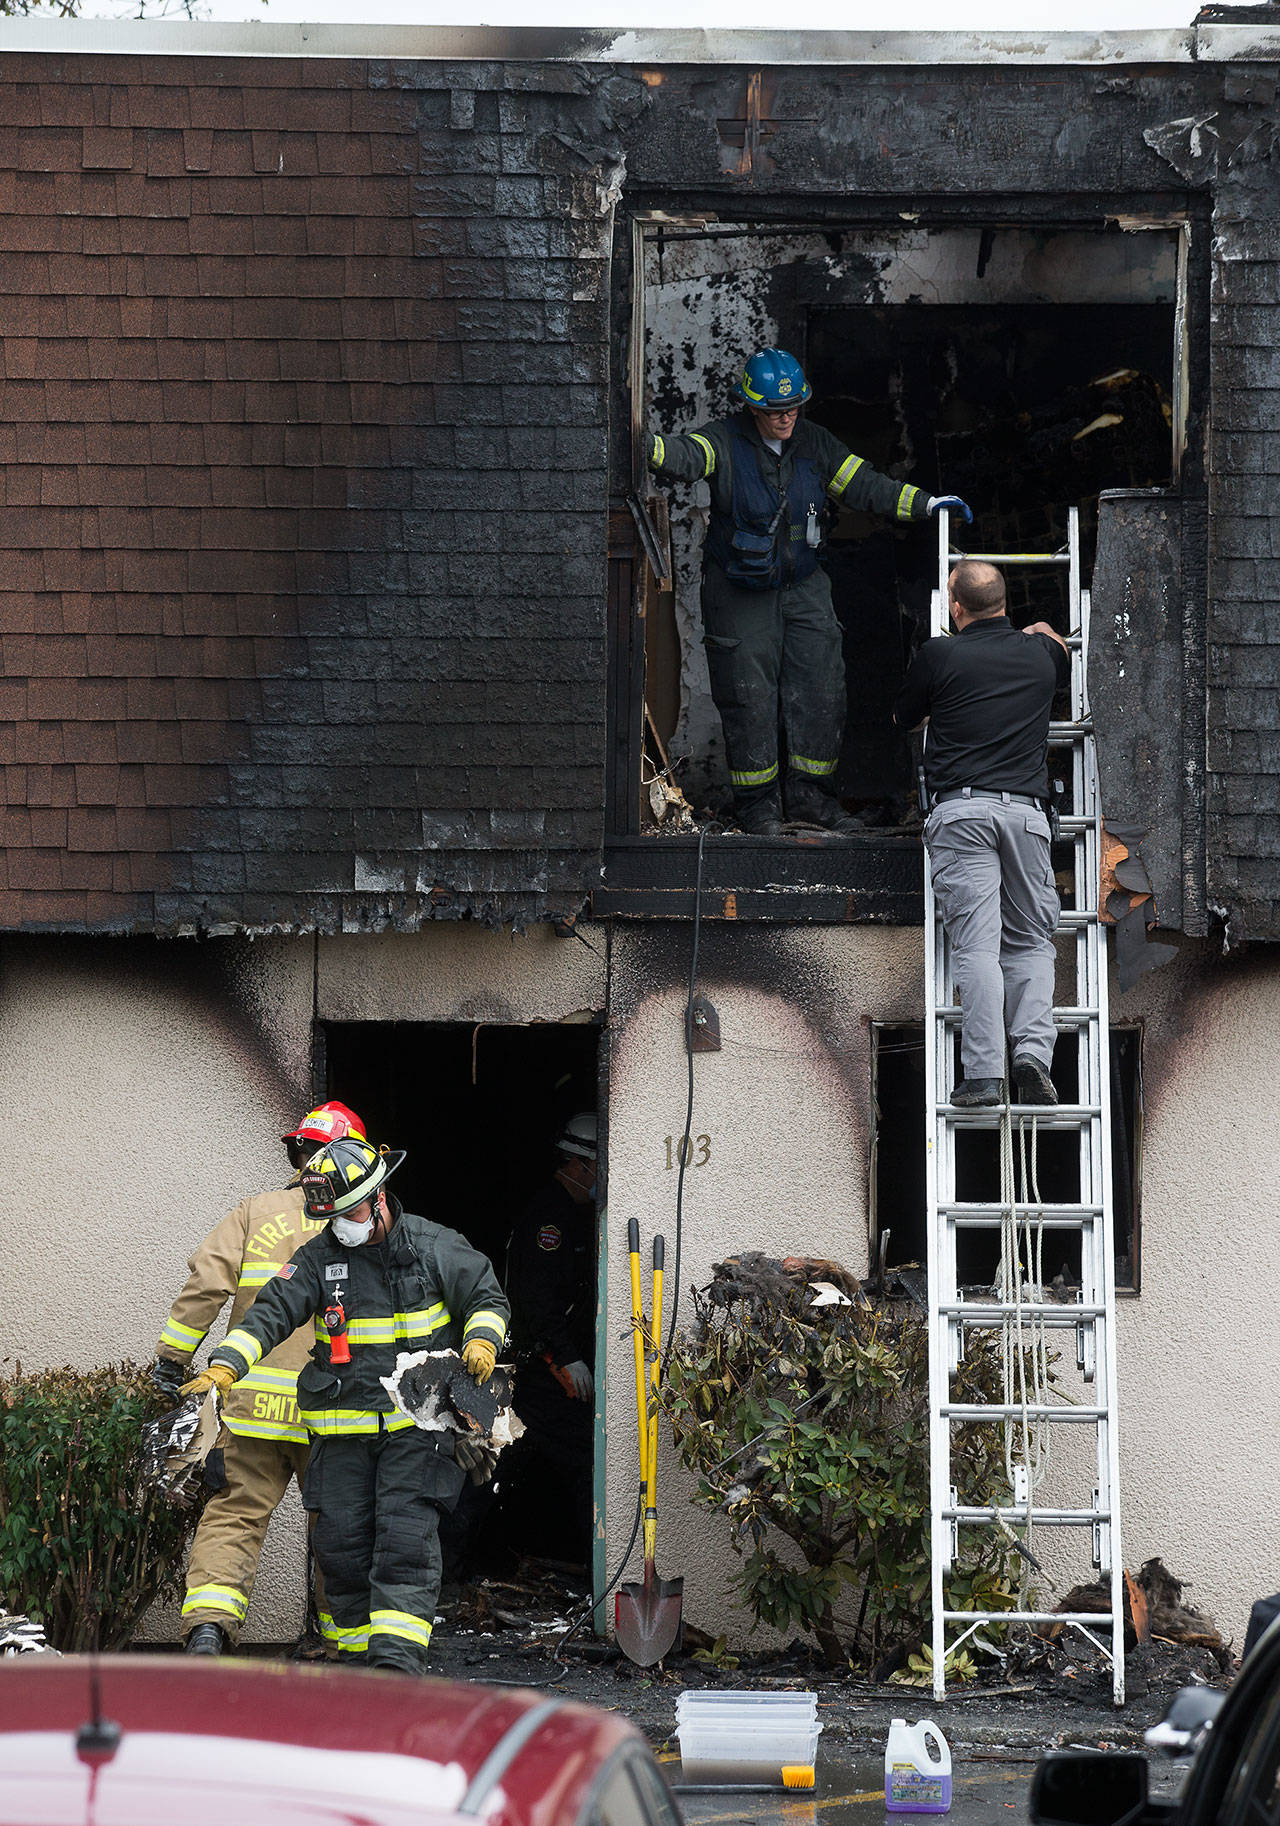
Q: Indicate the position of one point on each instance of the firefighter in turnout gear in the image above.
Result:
(773, 642)
(377, 1281)
(263, 1443)
(551, 1275)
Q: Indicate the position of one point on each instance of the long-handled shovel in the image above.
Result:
(647, 1616)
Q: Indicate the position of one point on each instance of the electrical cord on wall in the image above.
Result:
(686, 1147)
(686, 1140)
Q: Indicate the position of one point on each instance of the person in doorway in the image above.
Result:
(551, 1267)
(377, 1281)
(987, 695)
(773, 642)
(263, 1443)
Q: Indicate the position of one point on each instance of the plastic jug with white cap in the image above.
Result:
(916, 1781)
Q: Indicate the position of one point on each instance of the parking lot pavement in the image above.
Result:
(984, 1789)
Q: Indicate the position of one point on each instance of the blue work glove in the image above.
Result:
(956, 505)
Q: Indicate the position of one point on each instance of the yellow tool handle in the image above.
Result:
(655, 1365)
(637, 1335)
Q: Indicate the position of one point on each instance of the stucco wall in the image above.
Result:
(785, 1104)
(195, 1055)
(146, 1097)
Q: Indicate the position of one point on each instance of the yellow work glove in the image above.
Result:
(480, 1356)
(218, 1376)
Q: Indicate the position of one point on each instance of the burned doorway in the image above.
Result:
(1023, 367)
(478, 1109)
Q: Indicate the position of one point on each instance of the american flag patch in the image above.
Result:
(285, 1273)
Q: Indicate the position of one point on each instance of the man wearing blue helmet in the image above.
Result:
(774, 649)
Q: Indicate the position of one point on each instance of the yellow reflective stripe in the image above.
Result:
(340, 1420)
(244, 1344)
(293, 1431)
(905, 500)
(844, 475)
(397, 1327)
(489, 1321)
(749, 391)
(396, 1423)
(657, 452)
(696, 437)
(273, 1379)
(181, 1337)
(761, 777)
(225, 1598)
(803, 765)
(257, 1274)
(400, 1623)
(355, 1640)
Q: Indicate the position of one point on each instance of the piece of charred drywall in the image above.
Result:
(1137, 639)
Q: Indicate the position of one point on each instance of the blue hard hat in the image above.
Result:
(773, 379)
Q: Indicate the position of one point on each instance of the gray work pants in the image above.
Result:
(993, 881)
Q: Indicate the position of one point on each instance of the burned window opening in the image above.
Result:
(1024, 366)
(897, 1189)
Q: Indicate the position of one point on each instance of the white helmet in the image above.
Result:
(578, 1136)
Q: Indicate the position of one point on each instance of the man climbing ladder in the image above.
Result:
(1020, 1310)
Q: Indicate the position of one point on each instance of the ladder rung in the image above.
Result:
(1013, 1410)
(974, 1312)
(1098, 1618)
(1069, 920)
(1067, 1223)
(1062, 558)
(1047, 1518)
(1069, 1211)
(1069, 732)
(1077, 1016)
(1048, 1115)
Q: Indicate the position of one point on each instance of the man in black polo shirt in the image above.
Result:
(987, 696)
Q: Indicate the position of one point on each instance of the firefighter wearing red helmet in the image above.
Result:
(263, 1443)
(376, 1282)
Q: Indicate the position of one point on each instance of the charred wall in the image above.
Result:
(309, 372)
(1016, 146)
(302, 497)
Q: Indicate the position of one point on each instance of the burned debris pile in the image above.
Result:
(799, 1402)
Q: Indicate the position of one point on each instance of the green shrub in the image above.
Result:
(85, 1544)
(840, 1397)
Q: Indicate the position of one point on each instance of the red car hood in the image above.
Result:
(240, 1743)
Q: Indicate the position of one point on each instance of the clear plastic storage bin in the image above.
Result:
(728, 1738)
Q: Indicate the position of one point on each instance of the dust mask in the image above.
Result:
(351, 1235)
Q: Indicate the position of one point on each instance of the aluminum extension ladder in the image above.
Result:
(1091, 1314)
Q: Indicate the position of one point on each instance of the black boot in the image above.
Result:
(808, 803)
(761, 817)
(207, 1639)
(1032, 1081)
(977, 1093)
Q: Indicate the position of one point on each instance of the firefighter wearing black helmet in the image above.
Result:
(376, 1282)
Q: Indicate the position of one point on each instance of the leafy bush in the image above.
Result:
(85, 1544)
(811, 1424)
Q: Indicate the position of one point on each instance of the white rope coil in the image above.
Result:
(1024, 1356)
